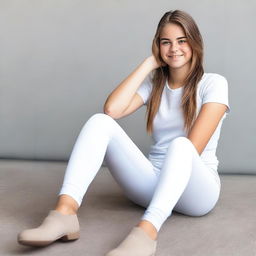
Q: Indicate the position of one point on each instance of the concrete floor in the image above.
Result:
(28, 190)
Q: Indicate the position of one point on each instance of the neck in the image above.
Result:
(178, 76)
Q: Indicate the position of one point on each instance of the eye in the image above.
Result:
(182, 41)
(165, 42)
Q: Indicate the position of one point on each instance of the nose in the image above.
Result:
(174, 47)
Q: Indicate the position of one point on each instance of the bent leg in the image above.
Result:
(185, 184)
(102, 137)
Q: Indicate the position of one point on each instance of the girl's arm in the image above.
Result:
(122, 96)
(205, 124)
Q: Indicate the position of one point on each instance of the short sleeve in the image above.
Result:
(216, 90)
(145, 89)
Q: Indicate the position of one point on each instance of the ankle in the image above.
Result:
(67, 205)
(149, 228)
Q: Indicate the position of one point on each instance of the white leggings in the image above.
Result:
(184, 184)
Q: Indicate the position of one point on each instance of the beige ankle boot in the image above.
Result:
(137, 243)
(55, 226)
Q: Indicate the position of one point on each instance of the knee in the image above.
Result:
(99, 122)
(100, 119)
(182, 142)
(181, 139)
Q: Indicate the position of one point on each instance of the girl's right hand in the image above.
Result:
(153, 62)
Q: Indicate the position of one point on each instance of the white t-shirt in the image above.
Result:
(169, 122)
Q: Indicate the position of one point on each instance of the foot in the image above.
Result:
(55, 226)
(137, 243)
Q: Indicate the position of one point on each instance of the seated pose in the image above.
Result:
(185, 111)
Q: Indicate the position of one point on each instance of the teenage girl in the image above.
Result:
(185, 111)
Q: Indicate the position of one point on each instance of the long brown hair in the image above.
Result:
(160, 74)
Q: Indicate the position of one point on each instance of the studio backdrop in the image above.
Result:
(60, 59)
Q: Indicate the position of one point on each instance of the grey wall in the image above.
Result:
(60, 60)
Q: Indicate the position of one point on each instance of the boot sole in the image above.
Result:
(65, 238)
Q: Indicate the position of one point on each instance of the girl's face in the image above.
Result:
(174, 48)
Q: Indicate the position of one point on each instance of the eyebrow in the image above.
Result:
(176, 38)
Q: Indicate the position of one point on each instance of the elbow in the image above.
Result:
(106, 109)
(110, 113)
(113, 111)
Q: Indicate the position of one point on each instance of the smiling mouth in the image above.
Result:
(175, 56)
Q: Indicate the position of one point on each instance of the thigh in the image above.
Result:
(130, 168)
(202, 191)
